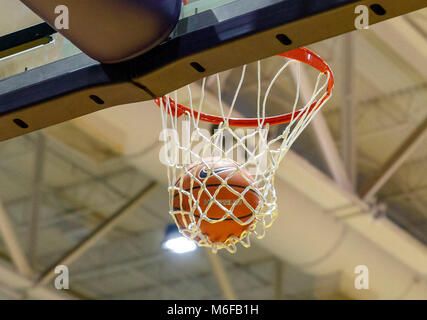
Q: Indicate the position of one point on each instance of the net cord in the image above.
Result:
(263, 181)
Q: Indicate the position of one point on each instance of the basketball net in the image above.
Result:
(262, 147)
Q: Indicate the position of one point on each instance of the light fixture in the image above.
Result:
(176, 242)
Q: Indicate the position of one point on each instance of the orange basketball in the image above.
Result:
(238, 181)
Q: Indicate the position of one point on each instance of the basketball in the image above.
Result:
(213, 149)
(238, 181)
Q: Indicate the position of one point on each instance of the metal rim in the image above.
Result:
(303, 55)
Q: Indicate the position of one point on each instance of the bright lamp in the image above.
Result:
(176, 242)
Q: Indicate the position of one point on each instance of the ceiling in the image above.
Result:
(75, 181)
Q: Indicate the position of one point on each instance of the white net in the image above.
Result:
(221, 183)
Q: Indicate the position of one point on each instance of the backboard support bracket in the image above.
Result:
(66, 89)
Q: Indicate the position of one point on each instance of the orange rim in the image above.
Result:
(303, 55)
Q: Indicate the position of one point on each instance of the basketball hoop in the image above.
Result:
(219, 201)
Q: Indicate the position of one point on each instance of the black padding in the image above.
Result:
(111, 31)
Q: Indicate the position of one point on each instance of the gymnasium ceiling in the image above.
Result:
(82, 181)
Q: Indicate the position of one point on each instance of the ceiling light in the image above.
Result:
(176, 242)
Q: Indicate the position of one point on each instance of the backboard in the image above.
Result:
(210, 36)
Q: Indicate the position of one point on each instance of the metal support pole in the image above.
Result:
(221, 275)
(348, 113)
(37, 197)
(395, 162)
(322, 134)
(13, 245)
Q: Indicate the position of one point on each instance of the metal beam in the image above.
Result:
(22, 37)
(176, 281)
(322, 133)
(405, 193)
(14, 248)
(19, 283)
(348, 113)
(37, 196)
(221, 275)
(405, 40)
(330, 152)
(101, 231)
(368, 191)
(278, 280)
